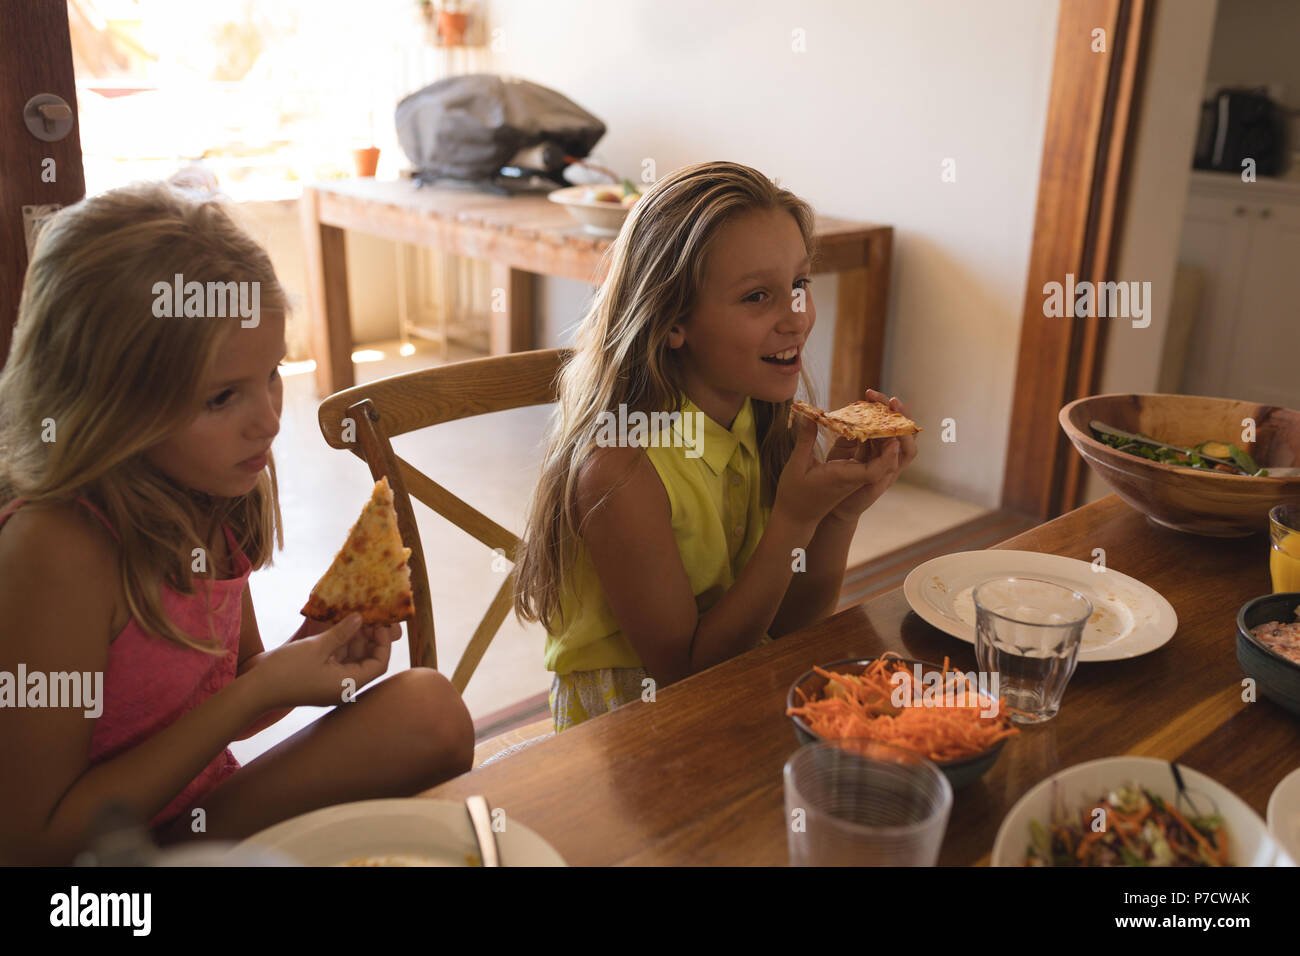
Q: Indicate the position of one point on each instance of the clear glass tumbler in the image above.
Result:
(1028, 633)
(863, 803)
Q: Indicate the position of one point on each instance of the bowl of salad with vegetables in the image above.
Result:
(1132, 811)
(1210, 466)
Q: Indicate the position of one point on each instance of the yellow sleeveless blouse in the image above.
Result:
(712, 478)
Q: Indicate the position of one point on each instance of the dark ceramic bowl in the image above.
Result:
(960, 773)
(1276, 678)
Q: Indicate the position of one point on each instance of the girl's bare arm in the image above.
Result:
(251, 653)
(361, 648)
(628, 530)
(815, 590)
(56, 608)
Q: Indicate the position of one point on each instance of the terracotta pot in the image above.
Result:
(366, 161)
(452, 27)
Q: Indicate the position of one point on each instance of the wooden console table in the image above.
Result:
(526, 235)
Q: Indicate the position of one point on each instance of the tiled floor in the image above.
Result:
(492, 462)
(902, 515)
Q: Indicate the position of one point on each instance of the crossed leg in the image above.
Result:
(398, 737)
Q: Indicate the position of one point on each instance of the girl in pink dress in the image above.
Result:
(137, 494)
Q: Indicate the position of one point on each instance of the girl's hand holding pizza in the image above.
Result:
(887, 456)
(359, 647)
(312, 670)
(367, 639)
(808, 489)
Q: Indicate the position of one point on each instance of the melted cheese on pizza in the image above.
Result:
(370, 574)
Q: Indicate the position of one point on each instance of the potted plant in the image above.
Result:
(365, 159)
(451, 18)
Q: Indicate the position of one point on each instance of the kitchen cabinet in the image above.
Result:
(1245, 237)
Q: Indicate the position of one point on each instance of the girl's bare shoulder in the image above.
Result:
(49, 550)
(56, 527)
(611, 469)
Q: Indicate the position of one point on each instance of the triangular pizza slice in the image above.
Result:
(859, 421)
(370, 574)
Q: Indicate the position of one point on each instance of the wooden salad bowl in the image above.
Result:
(1201, 502)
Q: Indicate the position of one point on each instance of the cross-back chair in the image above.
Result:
(364, 418)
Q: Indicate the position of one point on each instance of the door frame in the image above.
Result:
(38, 59)
(1090, 134)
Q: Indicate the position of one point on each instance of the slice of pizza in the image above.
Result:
(370, 574)
(859, 421)
(804, 409)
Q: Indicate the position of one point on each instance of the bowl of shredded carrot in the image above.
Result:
(944, 719)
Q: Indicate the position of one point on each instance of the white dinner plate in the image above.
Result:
(1129, 618)
(1248, 840)
(437, 832)
(1284, 815)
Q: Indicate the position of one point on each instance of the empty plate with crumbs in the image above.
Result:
(1129, 619)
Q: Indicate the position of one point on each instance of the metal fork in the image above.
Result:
(1184, 801)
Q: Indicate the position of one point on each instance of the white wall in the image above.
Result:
(859, 125)
(1159, 176)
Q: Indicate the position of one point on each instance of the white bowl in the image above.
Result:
(598, 218)
(1283, 816)
(1249, 843)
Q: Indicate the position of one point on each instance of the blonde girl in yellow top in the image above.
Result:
(653, 553)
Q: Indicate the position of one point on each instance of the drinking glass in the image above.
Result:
(1028, 633)
(1284, 558)
(863, 803)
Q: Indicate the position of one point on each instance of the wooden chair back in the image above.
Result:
(364, 418)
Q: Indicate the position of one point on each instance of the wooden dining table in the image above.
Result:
(695, 777)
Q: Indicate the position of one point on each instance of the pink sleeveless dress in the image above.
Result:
(150, 682)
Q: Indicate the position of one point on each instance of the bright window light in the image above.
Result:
(367, 355)
(297, 368)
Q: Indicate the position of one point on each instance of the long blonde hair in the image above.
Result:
(621, 355)
(91, 362)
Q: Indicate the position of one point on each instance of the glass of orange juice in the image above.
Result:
(1284, 560)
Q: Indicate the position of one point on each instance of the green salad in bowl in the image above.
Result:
(1130, 826)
